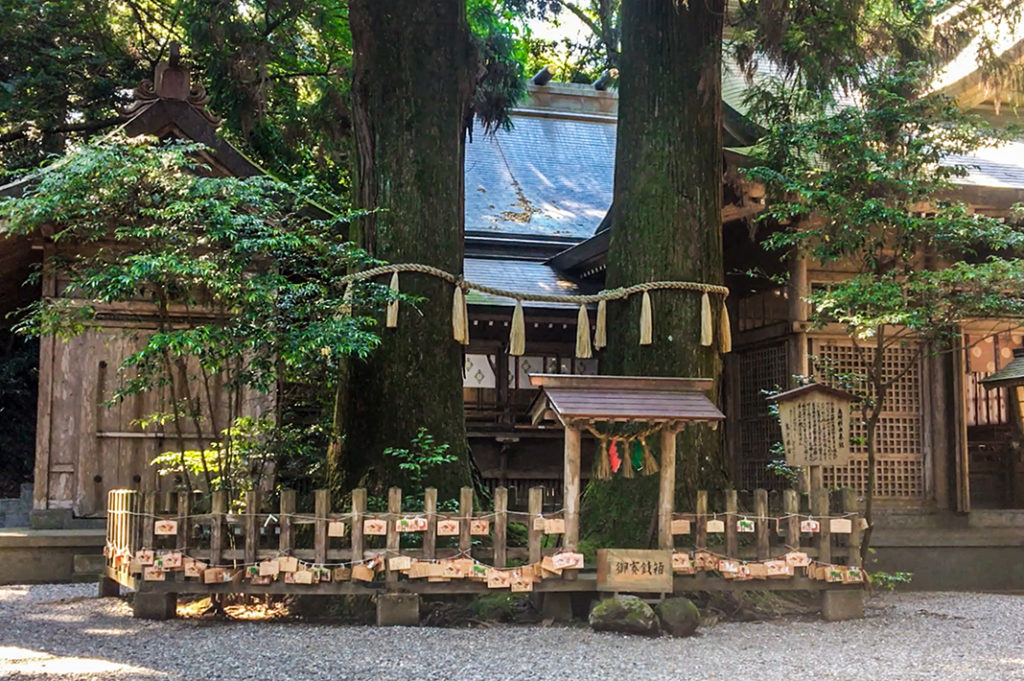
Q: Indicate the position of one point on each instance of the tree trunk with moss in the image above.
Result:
(413, 67)
(666, 225)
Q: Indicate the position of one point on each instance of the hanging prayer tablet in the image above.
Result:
(810, 526)
(840, 526)
(171, 560)
(554, 526)
(375, 527)
(744, 525)
(715, 526)
(335, 528)
(269, 568)
(538, 523)
(797, 559)
(479, 527)
(682, 564)
(362, 572)
(447, 528)
(399, 563)
(341, 574)
(145, 556)
(287, 563)
(568, 560)
(165, 527)
(679, 526)
(153, 573)
(302, 576)
(194, 568)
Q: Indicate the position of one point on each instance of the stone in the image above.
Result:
(678, 616)
(847, 604)
(154, 606)
(625, 614)
(398, 609)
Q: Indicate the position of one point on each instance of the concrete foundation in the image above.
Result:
(40, 556)
(837, 606)
(154, 606)
(398, 609)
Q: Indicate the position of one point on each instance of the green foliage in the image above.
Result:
(889, 580)
(239, 281)
(414, 464)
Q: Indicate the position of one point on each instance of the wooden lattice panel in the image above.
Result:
(900, 468)
(760, 369)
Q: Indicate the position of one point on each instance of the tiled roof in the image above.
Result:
(1001, 166)
(547, 176)
(517, 275)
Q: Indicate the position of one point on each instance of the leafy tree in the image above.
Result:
(860, 184)
(241, 286)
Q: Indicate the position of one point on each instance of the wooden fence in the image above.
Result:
(194, 544)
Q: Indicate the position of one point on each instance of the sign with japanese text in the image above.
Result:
(636, 570)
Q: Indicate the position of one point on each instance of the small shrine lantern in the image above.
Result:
(815, 422)
(1011, 377)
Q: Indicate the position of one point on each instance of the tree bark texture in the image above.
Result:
(668, 204)
(412, 84)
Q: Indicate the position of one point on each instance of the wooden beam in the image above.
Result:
(666, 487)
(571, 488)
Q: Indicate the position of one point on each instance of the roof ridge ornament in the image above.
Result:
(172, 81)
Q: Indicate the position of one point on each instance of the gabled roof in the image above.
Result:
(622, 398)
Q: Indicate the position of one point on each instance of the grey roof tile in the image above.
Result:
(549, 176)
(517, 275)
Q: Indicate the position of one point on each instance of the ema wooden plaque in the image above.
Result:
(634, 570)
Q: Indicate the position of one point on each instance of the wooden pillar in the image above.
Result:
(797, 293)
(571, 487)
(666, 487)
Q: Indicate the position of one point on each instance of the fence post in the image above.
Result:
(148, 518)
(184, 503)
(286, 540)
(321, 509)
(218, 507)
(819, 507)
(731, 515)
(500, 536)
(430, 510)
(466, 511)
(393, 538)
(536, 509)
(252, 509)
(849, 498)
(791, 507)
(358, 509)
(700, 533)
(761, 527)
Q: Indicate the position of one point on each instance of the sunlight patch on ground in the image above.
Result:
(14, 660)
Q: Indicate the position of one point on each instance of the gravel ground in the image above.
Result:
(63, 632)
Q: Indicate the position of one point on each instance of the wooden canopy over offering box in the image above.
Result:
(580, 401)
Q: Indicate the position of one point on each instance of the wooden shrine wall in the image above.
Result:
(84, 448)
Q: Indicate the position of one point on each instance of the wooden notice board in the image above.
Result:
(634, 570)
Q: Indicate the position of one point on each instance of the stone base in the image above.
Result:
(154, 606)
(401, 610)
(108, 588)
(35, 556)
(842, 605)
(557, 606)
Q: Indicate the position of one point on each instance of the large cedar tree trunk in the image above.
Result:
(667, 217)
(413, 74)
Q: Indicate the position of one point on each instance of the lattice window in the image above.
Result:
(898, 446)
(761, 369)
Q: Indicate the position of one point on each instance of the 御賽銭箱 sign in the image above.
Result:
(648, 571)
